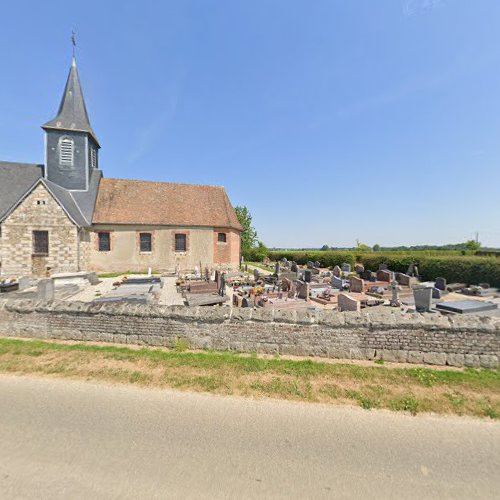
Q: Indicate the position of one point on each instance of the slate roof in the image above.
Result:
(15, 180)
(19, 179)
(72, 113)
(121, 201)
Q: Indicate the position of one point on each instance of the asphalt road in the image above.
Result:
(65, 439)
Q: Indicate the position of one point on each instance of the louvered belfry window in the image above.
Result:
(66, 151)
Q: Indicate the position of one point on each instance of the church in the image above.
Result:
(65, 216)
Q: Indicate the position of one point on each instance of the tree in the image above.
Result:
(249, 234)
(362, 247)
(324, 248)
(472, 245)
(376, 247)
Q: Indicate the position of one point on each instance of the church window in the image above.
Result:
(93, 157)
(104, 242)
(41, 242)
(222, 238)
(180, 242)
(145, 242)
(66, 151)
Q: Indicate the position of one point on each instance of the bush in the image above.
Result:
(455, 268)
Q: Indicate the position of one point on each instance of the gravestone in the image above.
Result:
(347, 303)
(303, 290)
(294, 268)
(403, 279)
(256, 275)
(382, 267)
(423, 299)
(93, 279)
(337, 271)
(384, 275)
(336, 282)
(359, 268)
(45, 290)
(368, 275)
(356, 285)
(308, 275)
(395, 288)
(317, 264)
(277, 268)
(310, 264)
(24, 282)
(245, 302)
(346, 268)
(440, 284)
(436, 293)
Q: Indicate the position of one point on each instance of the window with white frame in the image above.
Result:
(66, 151)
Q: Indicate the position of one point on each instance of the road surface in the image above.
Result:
(66, 439)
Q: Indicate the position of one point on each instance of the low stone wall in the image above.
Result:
(389, 335)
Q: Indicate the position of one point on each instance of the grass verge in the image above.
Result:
(414, 390)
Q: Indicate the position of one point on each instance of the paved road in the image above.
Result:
(63, 439)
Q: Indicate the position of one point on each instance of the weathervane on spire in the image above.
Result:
(73, 41)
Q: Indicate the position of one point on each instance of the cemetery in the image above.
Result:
(280, 285)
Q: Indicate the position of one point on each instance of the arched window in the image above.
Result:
(66, 151)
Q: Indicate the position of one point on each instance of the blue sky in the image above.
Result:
(330, 120)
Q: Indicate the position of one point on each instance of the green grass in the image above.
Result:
(413, 390)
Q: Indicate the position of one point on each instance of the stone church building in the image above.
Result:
(65, 216)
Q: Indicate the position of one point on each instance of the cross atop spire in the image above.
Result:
(73, 42)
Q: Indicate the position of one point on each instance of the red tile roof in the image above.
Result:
(121, 201)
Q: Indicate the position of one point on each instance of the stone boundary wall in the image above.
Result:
(389, 335)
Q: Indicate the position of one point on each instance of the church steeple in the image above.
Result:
(72, 113)
(71, 151)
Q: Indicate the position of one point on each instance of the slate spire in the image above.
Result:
(72, 113)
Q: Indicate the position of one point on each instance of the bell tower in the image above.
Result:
(71, 146)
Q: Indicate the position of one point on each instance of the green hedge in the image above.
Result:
(455, 268)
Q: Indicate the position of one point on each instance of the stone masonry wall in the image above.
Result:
(392, 336)
(38, 211)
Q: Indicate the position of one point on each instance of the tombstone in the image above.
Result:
(286, 284)
(308, 275)
(294, 268)
(245, 302)
(403, 279)
(337, 271)
(93, 279)
(395, 288)
(359, 268)
(384, 275)
(277, 268)
(440, 284)
(24, 282)
(436, 293)
(256, 274)
(346, 268)
(423, 299)
(356, 285)
(317, 264)
(347, 303)
(45, 290)
(310, 264)
(337, 282)
(411, 270)
(382, 267)
(366, 275)
(303, 290)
